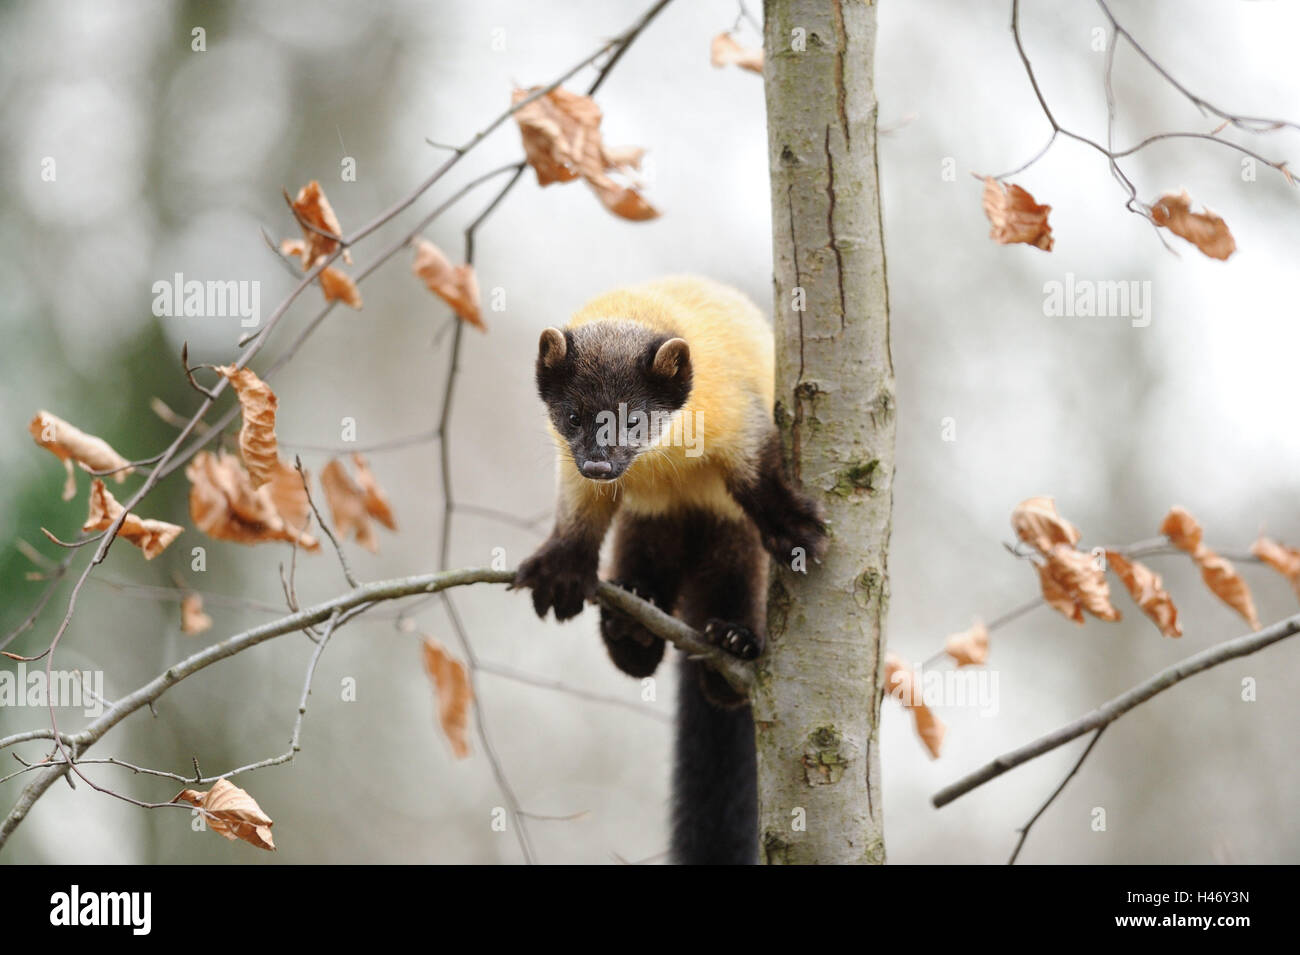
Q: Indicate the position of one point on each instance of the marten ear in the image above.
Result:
(551, 349)
(673, 359)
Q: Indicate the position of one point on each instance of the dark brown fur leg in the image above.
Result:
(724, 595)
(648, 560)
(788, 521)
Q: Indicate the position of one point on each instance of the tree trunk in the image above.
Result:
(817, 699)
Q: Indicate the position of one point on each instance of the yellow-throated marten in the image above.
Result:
(660, 404)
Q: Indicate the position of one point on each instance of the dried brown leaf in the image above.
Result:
(233, 813)
(1015, 216)
(901, 684)
(1182, 530)
(455, 694)
(562, 141)
(457, 285)
(339, 286)
(193, 619)
(257, 442)
(1205, 230)
(347, 504)
(312, 206)
(1056, 596)
(289, 496)
(1285, 560)
(1148, 592)
(725, 51)
(374, 500)
(624, 201)
(555, 129)
(1226, 584)
(225, 505)
(1037, 523)
(151, 536)
(1219, 575)
(970, 647)
(70, 444)
(1077, 574)
(335, 284)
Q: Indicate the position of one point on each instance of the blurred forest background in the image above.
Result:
(169, 160)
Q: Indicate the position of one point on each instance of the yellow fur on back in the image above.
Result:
(732, 354)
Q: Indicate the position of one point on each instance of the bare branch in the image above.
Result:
(367, 595)
(1113, 710)
(1024, 830)
(1133, 204)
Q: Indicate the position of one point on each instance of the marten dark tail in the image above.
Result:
(715, 794)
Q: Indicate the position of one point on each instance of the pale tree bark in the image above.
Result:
(817, 697)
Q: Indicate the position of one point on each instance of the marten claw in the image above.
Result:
(557, 585)
(736, 639)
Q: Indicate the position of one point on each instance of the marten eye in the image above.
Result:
(633, 420)
(574, 419)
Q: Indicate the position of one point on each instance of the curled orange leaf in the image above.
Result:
(725, 51)
(1056, 596)
(338, 285)
(457, 285)
(257, 442)
(1182, 530)
(232, 812)
(1037, 523)
(288, 496)
(555, 128)
(969, 647)
(193, 619)
(335, 284)
(70, 444)
(1226, 584)
(563, 142)
(455, 694)
(225, 505)
(1015, 216)
(901, 683)
(1078, 575)
(1218, 573)
(374, 500)
(1285, 560)
(624, 201)
(1072, 582)
(1205, 230)
(152, 537)
(312, 207)
(1148, 592)
(352, 506)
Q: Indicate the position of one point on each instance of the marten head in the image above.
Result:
(611, 388)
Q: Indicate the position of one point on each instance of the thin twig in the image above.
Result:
(1133, 204)
(343, 561)
(1024, 830)
(393, 444)
(519, 676)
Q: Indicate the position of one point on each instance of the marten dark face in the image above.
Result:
(611, 387)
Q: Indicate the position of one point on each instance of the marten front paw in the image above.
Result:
(736, 639)
(634, 649)
(799, 529)
(560, 579)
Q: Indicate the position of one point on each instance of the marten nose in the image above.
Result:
(597, 469)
